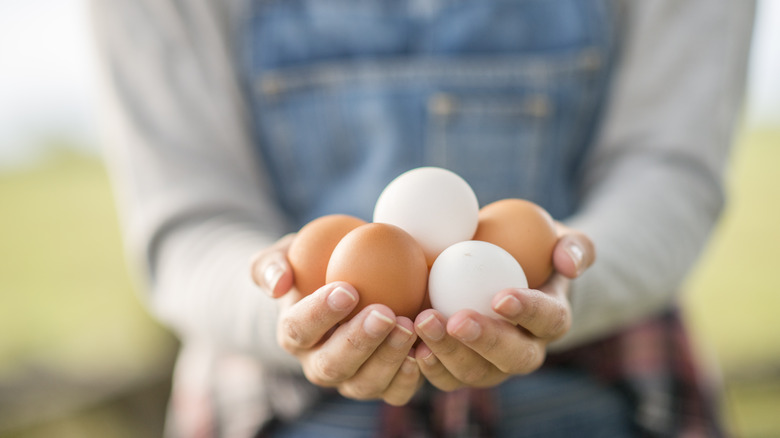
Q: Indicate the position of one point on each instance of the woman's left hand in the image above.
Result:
(471, 349)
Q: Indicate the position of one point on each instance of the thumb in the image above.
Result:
(573, 253)
(271, 271)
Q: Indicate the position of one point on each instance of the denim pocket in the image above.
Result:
(334, 135)
(519, 128)
(494, 142)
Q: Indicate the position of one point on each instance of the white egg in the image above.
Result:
(436, 206)
(468, 274)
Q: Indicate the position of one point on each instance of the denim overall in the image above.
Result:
(348, 94)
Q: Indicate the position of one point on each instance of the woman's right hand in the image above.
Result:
(367, 357)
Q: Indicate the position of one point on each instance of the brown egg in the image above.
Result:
(525, 230)
(311, 249)
(385, 264)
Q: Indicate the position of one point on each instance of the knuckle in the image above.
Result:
(442, 379)
(387, 358)
(327, 371)
(475, 375)
(447, 348)
(534, 307)
(491, 342)
(361, 390)
(559, 323)
(530, 357)
(312, 376)
(359, 343)
(289, 335)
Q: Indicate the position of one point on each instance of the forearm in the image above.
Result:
(204, 290)
(193, 203)
(654, 184)
(648, 230)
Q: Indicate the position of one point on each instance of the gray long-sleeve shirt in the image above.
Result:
(194, 207)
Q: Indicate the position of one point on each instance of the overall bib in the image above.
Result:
(348, 94)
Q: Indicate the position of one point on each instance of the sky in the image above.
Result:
(47, 75)
(763, 95)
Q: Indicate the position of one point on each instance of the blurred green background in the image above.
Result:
(732, 298)
(79, 357)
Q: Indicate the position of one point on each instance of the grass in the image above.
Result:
(62, 274)
(733, 294)
(732, 297)
(68, 305)
(68, 308)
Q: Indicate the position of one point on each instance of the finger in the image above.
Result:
(347, 349)
(405, 384)
(378, 371)
(305, 322)
(545, 313)
(573, 253)
(461, 361)
(434, 371)
(508, 348)
(271, 271)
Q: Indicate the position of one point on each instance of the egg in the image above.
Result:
(468, 274)
(525, 230)
(385, 264)
(435, 206)
(312, 246)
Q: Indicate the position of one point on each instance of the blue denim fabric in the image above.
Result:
(551, 403)
(350, 93)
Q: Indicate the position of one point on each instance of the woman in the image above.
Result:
(235, 122)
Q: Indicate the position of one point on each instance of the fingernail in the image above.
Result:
(430, 359)
(432, 328)
(399, 336)
(376, 324)
(341, 299)
(576, 254)
(409, 365)
(468, 330)
(509, 306)
(272, 273)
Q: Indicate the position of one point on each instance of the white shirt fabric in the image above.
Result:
(195, 207)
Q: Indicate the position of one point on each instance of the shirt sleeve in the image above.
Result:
(194, 206)
(654, 184)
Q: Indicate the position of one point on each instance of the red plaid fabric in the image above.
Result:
(655, 363)
(652, 363)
